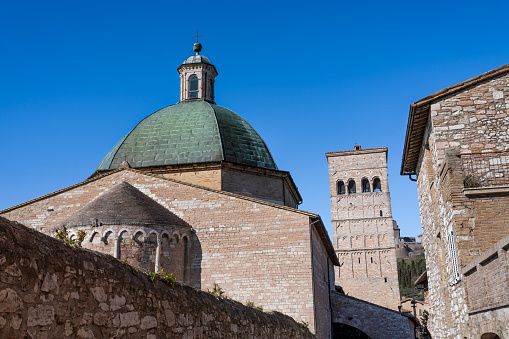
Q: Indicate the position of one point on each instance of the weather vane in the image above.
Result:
(197, 36)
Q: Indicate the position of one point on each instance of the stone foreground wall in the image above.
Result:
(52, 290)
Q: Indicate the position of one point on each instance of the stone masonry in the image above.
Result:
(375, 321)
(456, 145)
(275, 256)
(362, 225)
(52, 290)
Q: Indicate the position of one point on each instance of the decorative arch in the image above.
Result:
(95, 238)
(122, 230)
(138, 231)
(123, 244)
(107, 236)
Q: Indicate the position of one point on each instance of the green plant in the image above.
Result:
(304, 324)
(169, 279)
(217, 291)
(152, 276)
(63, 234)
(124, 260)
(135, 271)
(225, 310)
(250, 304)
(424, 327)
(259, 308)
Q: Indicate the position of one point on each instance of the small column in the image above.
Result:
(116, 249)
(158, 254)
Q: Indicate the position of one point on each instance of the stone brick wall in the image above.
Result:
(269, 185)
(208, 178)
(375, 321)
(323, 280)
(487, 278)
(471, 120)
(250, 248)
(363, 234)
(52, 290)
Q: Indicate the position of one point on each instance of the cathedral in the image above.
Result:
(193, 189)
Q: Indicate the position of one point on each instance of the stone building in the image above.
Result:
(362, 225)
(406, 247)
(194, 190)
(456, 147)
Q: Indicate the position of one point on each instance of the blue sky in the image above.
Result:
(311, 77)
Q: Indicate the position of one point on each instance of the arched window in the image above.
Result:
(377, 187)
(351, 187)
(193, 86)
(341, 187)
(365, 186)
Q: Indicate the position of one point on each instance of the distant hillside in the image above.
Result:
(409, 269)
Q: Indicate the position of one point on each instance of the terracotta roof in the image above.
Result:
(419, 114)
(422, 278)
(123, 204)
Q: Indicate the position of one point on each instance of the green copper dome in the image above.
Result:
(191, 131)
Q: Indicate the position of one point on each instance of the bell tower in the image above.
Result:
(362, 225)
(197, 76)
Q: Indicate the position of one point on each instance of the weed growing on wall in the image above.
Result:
(217, 291)
(304, 324)
(63, 234)
(152, 276)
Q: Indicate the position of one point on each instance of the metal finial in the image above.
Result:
(197, 45)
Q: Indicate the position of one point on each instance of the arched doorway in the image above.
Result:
(344, 331)
(490, 336)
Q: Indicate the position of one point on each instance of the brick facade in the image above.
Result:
(453, 141)
(272, 255)
(362, 226)
(270, 185)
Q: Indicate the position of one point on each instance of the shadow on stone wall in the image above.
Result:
(49, 289)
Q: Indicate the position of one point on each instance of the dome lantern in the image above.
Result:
(197, 77)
